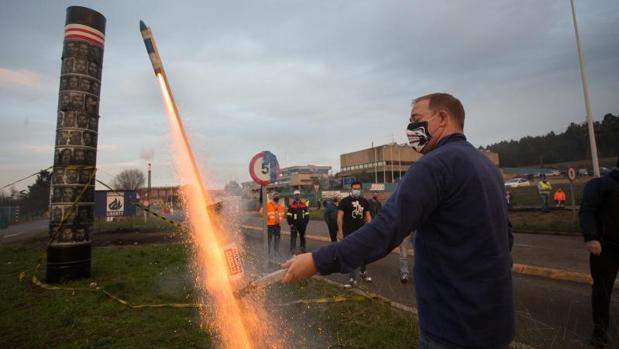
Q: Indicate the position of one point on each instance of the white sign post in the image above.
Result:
(571, 175)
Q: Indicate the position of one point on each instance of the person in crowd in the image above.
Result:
(298, 218)
(353, 213)
(375, 205)
(599, 223)
(408, 241)
(544, 188)
(330, 217)
(508, 199)
(275, 218)
(559, 197)
(454, 198)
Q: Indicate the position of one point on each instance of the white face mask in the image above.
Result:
(355, 193)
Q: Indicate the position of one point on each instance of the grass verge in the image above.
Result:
(135, 224)
(561, 221)
(32, 317)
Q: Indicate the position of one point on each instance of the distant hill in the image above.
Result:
(571, 145)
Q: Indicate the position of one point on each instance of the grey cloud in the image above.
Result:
(312, 80)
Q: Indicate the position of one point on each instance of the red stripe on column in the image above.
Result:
(91, 32)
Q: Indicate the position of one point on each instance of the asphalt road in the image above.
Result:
(549, 251)
(549, 313)
(22, 231)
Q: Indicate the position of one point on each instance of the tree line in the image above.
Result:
(571, 145)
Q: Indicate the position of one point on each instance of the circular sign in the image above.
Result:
(571, 174)
(263, 168)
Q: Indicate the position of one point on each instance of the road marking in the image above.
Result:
(11, 235)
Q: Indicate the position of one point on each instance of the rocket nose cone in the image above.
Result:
(142, 26)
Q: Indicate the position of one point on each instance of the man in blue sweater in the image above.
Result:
(455, 199)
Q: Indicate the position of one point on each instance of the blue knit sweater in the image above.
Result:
(454, 198)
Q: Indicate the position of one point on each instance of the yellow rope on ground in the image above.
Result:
(335, 299)
(39, 283)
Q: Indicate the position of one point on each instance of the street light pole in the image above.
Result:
(585, 89)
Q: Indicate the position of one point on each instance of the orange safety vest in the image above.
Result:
(559, 196)
(275, 214)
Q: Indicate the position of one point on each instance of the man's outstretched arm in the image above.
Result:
(416, 198)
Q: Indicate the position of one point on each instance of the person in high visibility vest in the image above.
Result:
(275, 217)
(544, 188)
(559, 197)
(298, 218)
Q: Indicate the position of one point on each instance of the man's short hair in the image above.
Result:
(445, 101)
(356, 183)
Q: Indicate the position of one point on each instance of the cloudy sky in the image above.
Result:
(307, 80)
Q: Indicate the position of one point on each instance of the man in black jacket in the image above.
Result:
(298, 218)
(599, 222)
(375, 206)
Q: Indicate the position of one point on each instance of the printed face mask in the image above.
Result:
(418, 135)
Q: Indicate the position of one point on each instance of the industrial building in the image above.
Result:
(381, 164)
(385, 164)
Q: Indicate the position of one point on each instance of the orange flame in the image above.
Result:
(233, 324)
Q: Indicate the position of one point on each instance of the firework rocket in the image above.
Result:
(151, 48)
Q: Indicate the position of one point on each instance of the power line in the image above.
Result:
(23, 179)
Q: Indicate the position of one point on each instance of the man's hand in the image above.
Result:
(340, 236)
(594, 247)
(299, 267)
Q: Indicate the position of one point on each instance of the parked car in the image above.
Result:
(582, 172)
(517, 182)
(553, 173)
(604, 171)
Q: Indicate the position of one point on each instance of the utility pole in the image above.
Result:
(392, 159)
(149, 172)
(585, 90)
(148, 199)
(399, 163)
(384, 166)
(375, 164)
